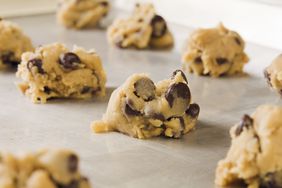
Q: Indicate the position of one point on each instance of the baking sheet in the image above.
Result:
(114, 160)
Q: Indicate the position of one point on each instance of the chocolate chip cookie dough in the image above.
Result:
(43, 169)
(273, 74)
(145, 28)
(215, 52)
(143, 109)
(81, 13)
(13, 42)
(54, 71)
(254, 157)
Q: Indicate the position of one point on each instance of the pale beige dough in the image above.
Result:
(142, 109)
(255, 155)
(80, 14)
(54, 71)
(215, 52)
(273, 74)
(143, 29)
(54, 168)
(13, 42)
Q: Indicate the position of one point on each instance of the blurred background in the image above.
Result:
(258, 21)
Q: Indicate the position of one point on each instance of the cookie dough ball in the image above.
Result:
(215, 52)
(273, 74)
(145, 28)
(54, 71)
(13, 42)
(142, 109)
(44, 169)
(81, 13)
(254, 157)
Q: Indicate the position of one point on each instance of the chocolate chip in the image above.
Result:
(221, 61)
(246, 121)
(198, 60)
(145, 88)
(72, 184)
(181, 120)
(131, 112)
(159, 26)
(104, 4)
(8, 58)
(193, 110)
(140, 20)
(85, 89)
(69, 61)
(72, 163)
(158, 116)
(177, 90)
(237, 40)
(1, 19)
(267, 76)
(182, 74)
(35, 63)
(46, 90)
(269, 181)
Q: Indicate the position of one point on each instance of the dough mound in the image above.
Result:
(53, 71)
(254, 157)
(273, 74)
(80, 14)
(142, 109)
(43, 169)
(215, 52)
(143, 29)
(13, 42)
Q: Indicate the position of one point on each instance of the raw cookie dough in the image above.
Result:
(215, 52)
(13, 42)
(54, 71)
(273, 74)
(255, 155)
(43, 169)
(143, 29)
(81, 13)
(143, 109)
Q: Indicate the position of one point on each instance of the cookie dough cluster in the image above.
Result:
(13, 42)
(43, 169)
(54, 71)
(215, 52)
(145, 28)
(143, 109)
(80, 14)
(255, 153)
(273, 74)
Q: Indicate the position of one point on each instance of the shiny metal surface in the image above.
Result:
(114, 160)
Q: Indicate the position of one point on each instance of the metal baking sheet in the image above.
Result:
(113, 159)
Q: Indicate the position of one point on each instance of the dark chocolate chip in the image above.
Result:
(35, 63)
(72, 184)
(140, 20)
(198, 60)
(193, 110)
(104, 4)
(131, 112)
(8, 58)
(269, 181)
(181, 120)
(1, 19)
(177, 90)
(182, 74)
(145, 88)
(158, 116)
(159, 26)
(73, 163)
(85, 89)
(69, 61)
(47, 90)
(221, 61)
(246, 121)
(237, 40)
(267, 76)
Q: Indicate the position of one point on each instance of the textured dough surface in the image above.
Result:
(273, 74)
(255, 155)
(142, 109)
(43, 169)
(142, 30)
(53, 71)
(215, 52)
(13, 42)
(81, 13)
